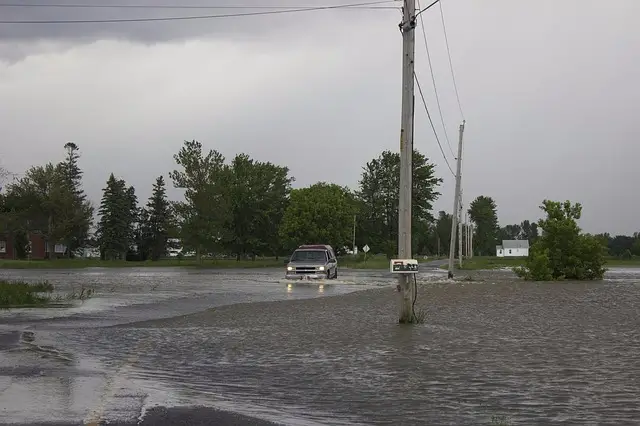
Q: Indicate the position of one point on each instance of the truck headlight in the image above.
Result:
(289, 268)
(321, 268)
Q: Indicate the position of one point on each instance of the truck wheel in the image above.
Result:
(335, 276)
(328, 274)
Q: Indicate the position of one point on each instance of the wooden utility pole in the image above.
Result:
(354, 236)
(456, 200)
(460, 248)
(471, 240)
(466, 235)
(405, 281)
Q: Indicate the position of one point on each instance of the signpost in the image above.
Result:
(365, 249)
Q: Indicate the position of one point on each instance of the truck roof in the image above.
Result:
(314, 246)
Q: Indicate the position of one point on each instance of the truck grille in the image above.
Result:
(305, 270)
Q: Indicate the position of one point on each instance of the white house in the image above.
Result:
(513, 248)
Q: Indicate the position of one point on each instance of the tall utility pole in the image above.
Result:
(354, 236)
(456, 200)
(460, 249)
(471, 240)
(405, 281)
(466, 235)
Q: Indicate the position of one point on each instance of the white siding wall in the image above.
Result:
(519, 252)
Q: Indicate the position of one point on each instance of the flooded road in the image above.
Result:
(492, 346)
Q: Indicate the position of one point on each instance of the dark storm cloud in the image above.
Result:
(149, 32)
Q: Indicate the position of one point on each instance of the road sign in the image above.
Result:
(366, 248)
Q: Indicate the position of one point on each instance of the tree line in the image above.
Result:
(243, 208)
(483, 213)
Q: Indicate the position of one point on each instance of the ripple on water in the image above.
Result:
(537, 353)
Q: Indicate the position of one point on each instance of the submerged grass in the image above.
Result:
(492, 262)
(21, 294)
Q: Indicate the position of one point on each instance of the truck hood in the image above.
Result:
(308, 263)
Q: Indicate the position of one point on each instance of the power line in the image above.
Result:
(185, 18)
(152, 6)
(446, 40)
(424, 103)
(427, 8)
(433, 79)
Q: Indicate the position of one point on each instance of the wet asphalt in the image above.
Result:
(491, 347)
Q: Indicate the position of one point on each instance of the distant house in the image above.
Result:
(37, 244)
(513, 248)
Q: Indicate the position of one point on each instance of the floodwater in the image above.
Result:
(492, 347)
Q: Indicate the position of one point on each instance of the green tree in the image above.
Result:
(115, 233)
(319, 214)
(378, 194)
(154, 223)
(275, 187)
(528, 231)
(483, 213)
(79, 215)
(41, 202)
(563, 252)
(635, 249)
(510, 232)
(132, 217)
(258, 197)
(143, 236)
(205, 212)
(620, 245)
(443, 230)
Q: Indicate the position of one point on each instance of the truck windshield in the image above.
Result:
(309, 255)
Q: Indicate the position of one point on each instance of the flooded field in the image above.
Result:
(491, 348)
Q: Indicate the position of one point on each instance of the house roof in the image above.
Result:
(515, 244)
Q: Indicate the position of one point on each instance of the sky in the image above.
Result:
(548, 88)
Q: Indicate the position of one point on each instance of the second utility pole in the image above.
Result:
(405, 281)
(456, 200)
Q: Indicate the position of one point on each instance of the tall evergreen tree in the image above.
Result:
(115, 233)
(157, 220)
(79, 212)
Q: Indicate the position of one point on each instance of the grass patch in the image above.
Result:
(492, 262)
(478, 263)
(623, 263)
(419, 316)
(23, 294)
(97, 263)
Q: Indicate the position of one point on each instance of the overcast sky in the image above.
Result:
(549, 89)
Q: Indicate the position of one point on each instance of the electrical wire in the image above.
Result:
(186, 6)
(433, 79)
(424, 103)
(446, 40)
(202, 17)
(427, 8)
